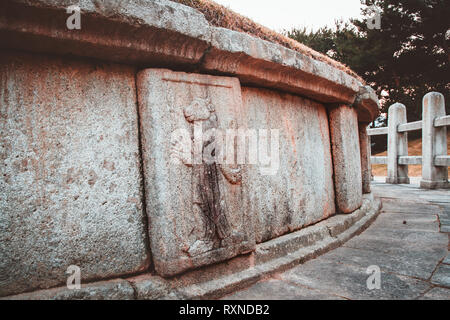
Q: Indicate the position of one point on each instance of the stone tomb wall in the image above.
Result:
(70, 180)
(74, 180)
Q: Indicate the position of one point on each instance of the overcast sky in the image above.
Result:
(286, 14)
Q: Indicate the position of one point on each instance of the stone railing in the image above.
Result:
(100, 129)
(434, 159)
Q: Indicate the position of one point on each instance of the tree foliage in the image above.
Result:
(403, 60)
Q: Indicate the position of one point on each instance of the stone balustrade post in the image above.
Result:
(397, 145)
(434, 142)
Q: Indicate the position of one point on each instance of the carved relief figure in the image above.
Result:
(206, 185)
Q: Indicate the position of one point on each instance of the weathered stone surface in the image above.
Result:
(397, 145)
(300, 192)
(196, 210)
(156, 32)
(291, 242)
(394, 241)
(220, 286)
(296, 251)
(217, 280)
(346, 158)
(334, 227)
(416, 197)
(413, 263)
(404, 204)
(149, 287)
(442, 275)
(447, 259)
(69, 173)
(365, 150)
(409, 221)
(434, 143)
(103, 290)
(280, 290)
(162, 33)
(350, 280)
(256, 61)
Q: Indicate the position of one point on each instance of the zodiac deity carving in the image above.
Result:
(208, 196)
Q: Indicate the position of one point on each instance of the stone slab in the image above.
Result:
(442, 276)
(409, 207)
(391, 241)
(346, 157)
(157, 32)
(300, 192)
(161, 33)
(259, 62)
(150, 287)
(365, 149)
(411, 193)
(196, 209)
(333, 226)
(406, 221)
(70, 183)
(217, 280)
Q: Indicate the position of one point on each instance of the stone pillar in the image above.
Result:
(397, 145)
(434, 142)
(364, 146)
(346, 157)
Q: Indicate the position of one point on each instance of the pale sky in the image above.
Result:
(286, 14)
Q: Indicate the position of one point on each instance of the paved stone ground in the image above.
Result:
(409, 242)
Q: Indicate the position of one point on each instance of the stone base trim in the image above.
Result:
(218, 280)
(426, 184)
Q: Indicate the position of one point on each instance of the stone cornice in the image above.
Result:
(167, 34)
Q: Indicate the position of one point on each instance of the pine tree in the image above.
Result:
(403, 60)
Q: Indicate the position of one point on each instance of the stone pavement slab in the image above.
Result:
(447, 259)
(406, 243)
(411, 222)
(70, 183)
(349, 280)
